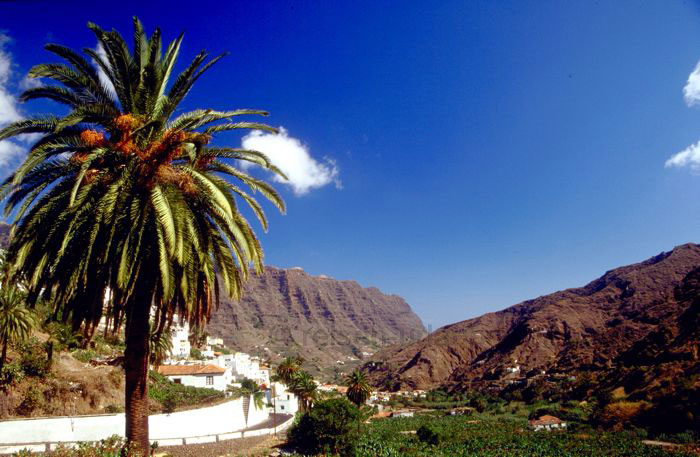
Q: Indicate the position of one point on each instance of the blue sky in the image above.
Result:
(464, 155)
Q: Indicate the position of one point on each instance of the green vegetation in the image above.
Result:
(429, 434)
(249, 388)
(16, 321)
(196, 354)
(174, 396)
(303, 386)
(298, 381)
(328, 427)
(488, 436)
(359, 389)
(500, 429)
(114, 446)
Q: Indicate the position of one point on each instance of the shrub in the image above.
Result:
(115, 377)
(113, 409)
(11, 373)
(621, 414)
(33, 400)
(172, 395)
(429, 435)
(329, 426)
(169, 404)
(114, 446)
(84, 355)
(33, 358)
(63, 335)
(478, 403)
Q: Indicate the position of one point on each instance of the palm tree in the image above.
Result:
(16, 321)
(288, 369)
(160, 347)
(120, 194)
(359, 389)
(304, 387)
(249, 388)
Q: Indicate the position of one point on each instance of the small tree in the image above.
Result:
(359, 389)
(327, 427)
(304, 387)
(249, 388)
(288, 369)
(16, 321)
(429, 435)
(160, 346)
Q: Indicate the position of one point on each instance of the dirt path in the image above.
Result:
(254, 446)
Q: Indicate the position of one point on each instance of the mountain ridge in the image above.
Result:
(579, 328)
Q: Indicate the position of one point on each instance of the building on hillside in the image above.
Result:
(460, 411)
(214, 341)
(547, 422)
(209, 376)
(284, 402)
(244, 366)
(332, 388)
(180, 339)
(402, 413)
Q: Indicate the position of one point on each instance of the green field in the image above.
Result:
(483, 435)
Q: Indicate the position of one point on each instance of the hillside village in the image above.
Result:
(216, 367)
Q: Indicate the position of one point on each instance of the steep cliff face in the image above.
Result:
(323, 319)
(590, 327)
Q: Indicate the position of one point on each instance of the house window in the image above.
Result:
(282, 407)
(210, 380)
(288, 397)
(177, 381)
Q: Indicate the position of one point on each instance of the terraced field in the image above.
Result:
(486, 436)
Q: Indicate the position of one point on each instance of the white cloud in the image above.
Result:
(29, 83)
(8, 103)
(688, 156)
(691, 91)
(11, 151)
(100, 72)
(293, 158)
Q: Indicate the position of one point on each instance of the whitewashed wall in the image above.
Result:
(224, 418)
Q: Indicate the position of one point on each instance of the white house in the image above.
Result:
(244, 366)
(547, 422)
(180, 338)
(284, 401)
(215, 341)
(209, 376)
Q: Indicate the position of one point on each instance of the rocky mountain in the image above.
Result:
(327, 321)
(631, 315)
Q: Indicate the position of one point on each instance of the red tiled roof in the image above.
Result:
(545, 420)
(183, 370)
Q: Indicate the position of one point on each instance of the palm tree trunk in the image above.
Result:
(136, 371)
(3, 358)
